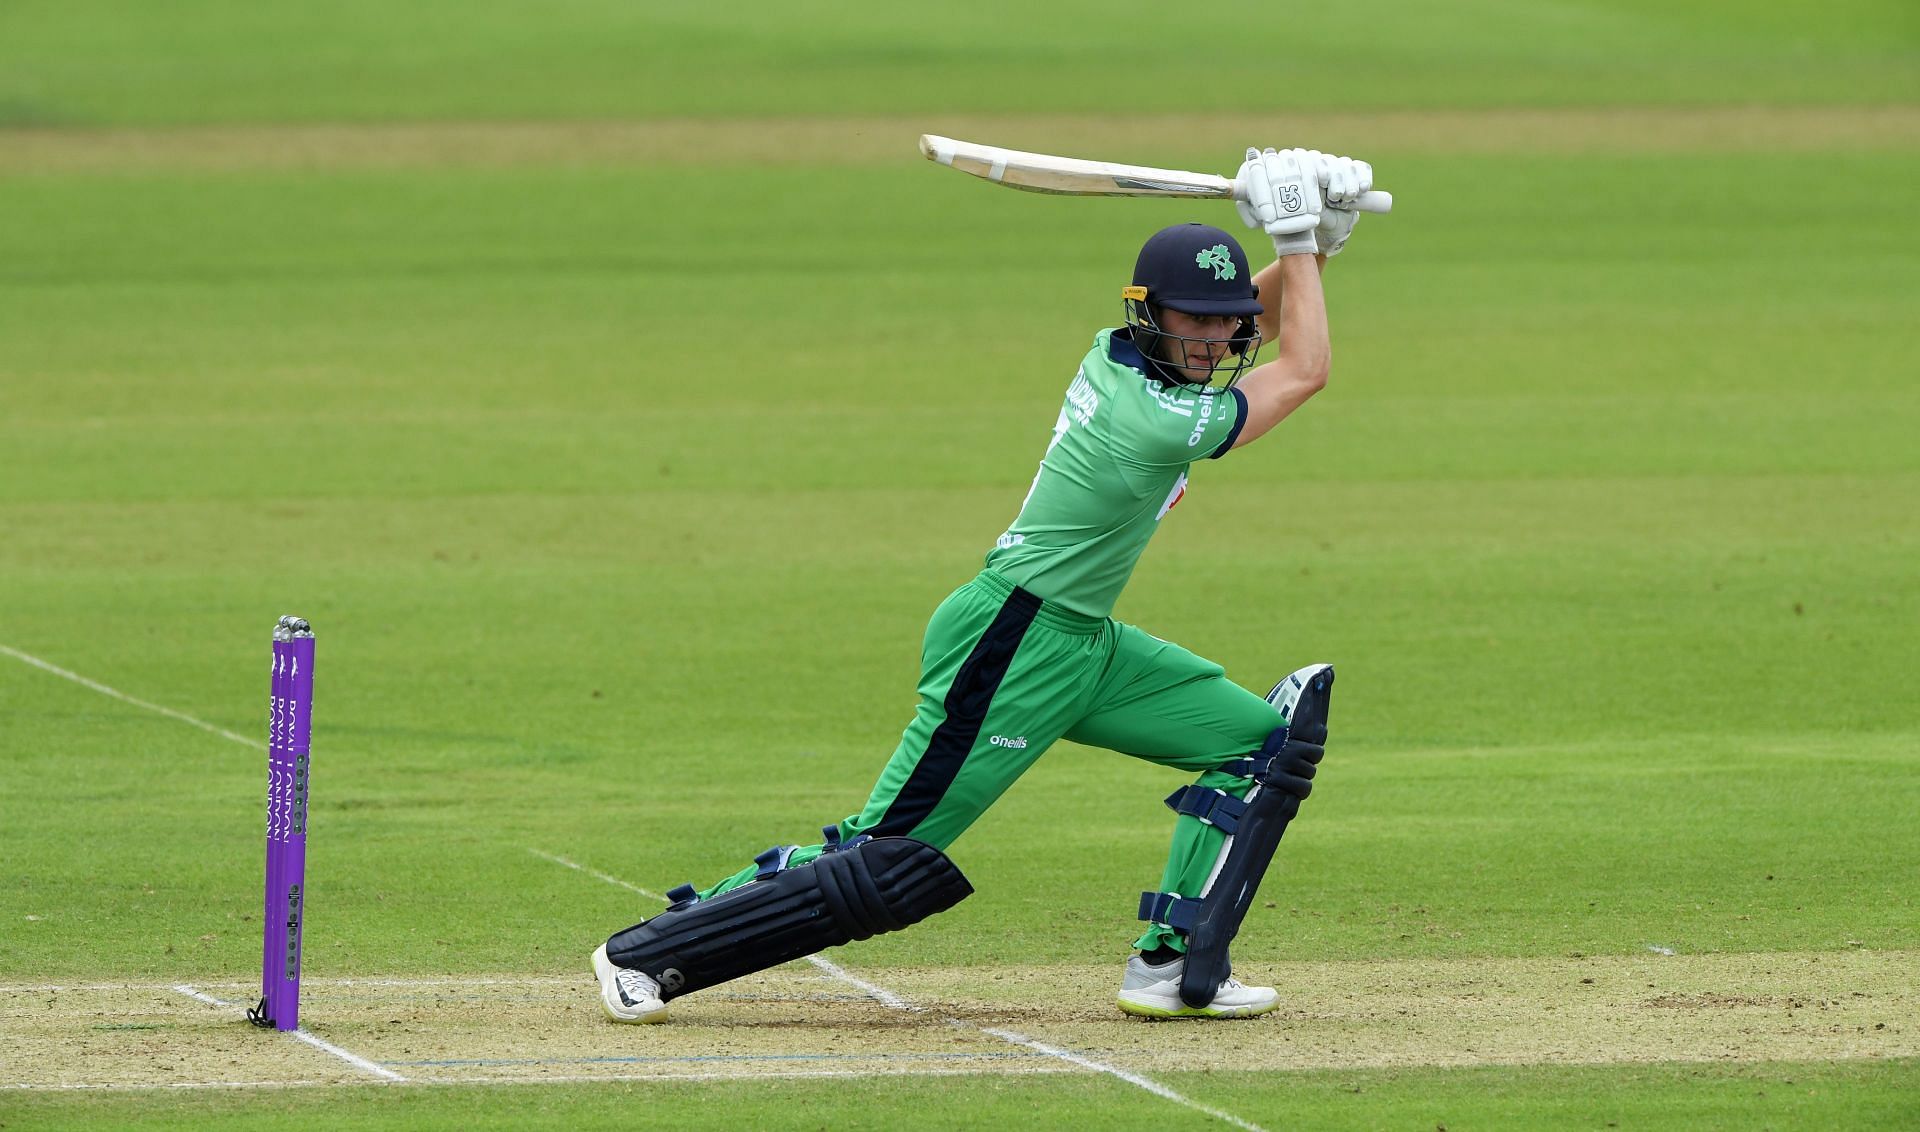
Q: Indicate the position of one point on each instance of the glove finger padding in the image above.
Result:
(1344, 179)
(1313, 161)
(1338, 179)
(1257, 210)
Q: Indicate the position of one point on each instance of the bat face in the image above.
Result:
(1069, 176)
(1042, 182)
(1072, 176)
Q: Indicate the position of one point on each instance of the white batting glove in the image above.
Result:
(1336, 224)
(1254, 204)
(1342, 180)
(1283, 198)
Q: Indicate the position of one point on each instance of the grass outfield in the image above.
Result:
(619, 477)
(95, 62)
(1852, 1095)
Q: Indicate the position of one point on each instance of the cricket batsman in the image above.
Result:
(1027, 652)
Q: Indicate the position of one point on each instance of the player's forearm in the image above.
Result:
(1305, 345)
(1277, 388)
(1268, 286)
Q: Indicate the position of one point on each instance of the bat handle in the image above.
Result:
(1378, 200)
(1374, 200)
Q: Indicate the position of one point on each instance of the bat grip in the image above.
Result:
(1376, 200)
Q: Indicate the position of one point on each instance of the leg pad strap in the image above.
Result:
(1177, 912)
(1214, 807)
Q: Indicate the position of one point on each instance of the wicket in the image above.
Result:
(289, 738)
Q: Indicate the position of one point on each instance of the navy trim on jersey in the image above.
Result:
(1122, 349)
(968, 698)
(1233, 434)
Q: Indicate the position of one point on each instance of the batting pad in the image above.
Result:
(849, 893)
(1303, 700)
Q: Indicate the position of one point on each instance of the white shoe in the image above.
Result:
(626, 995)
(1154, 992)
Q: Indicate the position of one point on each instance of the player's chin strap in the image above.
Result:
(1282, 773)
(852, 890)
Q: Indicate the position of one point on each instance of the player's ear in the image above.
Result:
(1243, 337)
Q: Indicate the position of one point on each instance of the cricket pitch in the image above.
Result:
(803, 1021)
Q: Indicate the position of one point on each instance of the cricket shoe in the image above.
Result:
(626, 995)
(1154, 992)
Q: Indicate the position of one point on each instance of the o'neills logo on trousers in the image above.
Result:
(1018, 742)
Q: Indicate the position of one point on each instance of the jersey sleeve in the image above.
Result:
(1164, 427)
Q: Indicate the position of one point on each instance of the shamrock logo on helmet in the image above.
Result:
(1218, 258)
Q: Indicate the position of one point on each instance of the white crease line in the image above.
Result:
(320, 1044)
(192, 993)
(135, 701)
(597, 874)
(453, 981)
(746, 1075)
(879, 994)
(67, 1088)
(894, 1001)
(1150, 1086)
(305, 982)
(352, 1059)
(559, 1079)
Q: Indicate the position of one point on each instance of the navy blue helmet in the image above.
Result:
(1196, 269)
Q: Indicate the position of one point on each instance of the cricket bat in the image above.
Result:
(1072, 176)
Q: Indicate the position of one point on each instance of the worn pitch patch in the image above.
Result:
(1778, 1006)
(797, 1021)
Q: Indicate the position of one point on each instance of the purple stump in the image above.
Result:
(276, 746)
(289, 740)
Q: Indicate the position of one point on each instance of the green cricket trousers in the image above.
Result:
(1003, 675)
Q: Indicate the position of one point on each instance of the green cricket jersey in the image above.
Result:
(1117, 464)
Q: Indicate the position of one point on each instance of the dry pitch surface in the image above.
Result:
(806, 1021)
